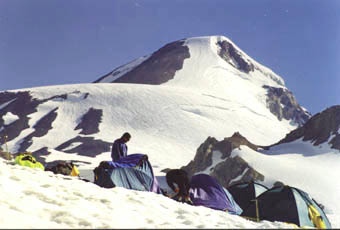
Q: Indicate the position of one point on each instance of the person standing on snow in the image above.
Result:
(119, 147)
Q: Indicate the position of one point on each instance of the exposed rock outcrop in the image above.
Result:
(90, 121)
(235, 170)
(88, 146)
(20, 106)
(229, 169)
(282, 103)
(230, 54)
(159, 68)
(40, 129)
(323, 127)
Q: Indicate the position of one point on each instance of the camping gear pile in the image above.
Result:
(27, 159)
(66, 168)
(250, 200)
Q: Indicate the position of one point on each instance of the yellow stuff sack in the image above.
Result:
(75, 171)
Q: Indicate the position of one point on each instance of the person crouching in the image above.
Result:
(178, 181)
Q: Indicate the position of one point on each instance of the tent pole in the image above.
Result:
(257, 210)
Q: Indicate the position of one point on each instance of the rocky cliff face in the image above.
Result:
(229, 169)
(230, 54)
(283, 104)
(159, 68)
(323, 127)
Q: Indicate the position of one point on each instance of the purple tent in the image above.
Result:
(206, 191)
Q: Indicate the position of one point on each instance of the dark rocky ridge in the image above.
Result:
(89, 146)
(230, 167)
(230, 54)
(40, 129)
(318, 129)
(159, 68)
(90, 121)
(22, 104)
(282, 103)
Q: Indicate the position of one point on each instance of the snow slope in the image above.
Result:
(167, 123)
(34, 199)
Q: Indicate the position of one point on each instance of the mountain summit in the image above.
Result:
(210, 64)
(201, 57)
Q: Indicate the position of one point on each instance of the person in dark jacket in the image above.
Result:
(178, 181)
(119, 147)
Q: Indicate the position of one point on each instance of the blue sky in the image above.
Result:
(52, 42)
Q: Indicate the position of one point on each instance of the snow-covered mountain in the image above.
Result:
(171, 101)
(206, 77)
(209, 64)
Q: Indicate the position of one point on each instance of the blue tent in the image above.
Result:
(132, 172)
(206, 191)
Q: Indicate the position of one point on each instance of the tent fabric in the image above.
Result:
(132, 172)
(287, 204)
(317, 215)
(131, 160)
(237, 209)
(245, 192)
(206, 191)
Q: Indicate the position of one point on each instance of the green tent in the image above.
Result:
(287, 204)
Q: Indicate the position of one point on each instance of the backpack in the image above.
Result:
(101, 175)
(65, 168)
